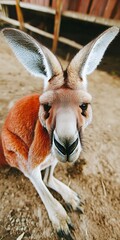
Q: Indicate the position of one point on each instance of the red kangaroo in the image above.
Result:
(42, 130)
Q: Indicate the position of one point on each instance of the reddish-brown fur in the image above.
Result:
(23, 134)
(61, 113)
(2, 157)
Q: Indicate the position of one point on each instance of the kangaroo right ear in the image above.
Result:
(36, 58)
(88, 58)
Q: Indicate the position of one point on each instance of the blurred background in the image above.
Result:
(64, 25)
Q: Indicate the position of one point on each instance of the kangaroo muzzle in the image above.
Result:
(67, 149)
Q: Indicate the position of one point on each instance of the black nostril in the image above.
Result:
(68, 150)
(72, 147)
(60, 147)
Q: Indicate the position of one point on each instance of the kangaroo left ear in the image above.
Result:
(88, 58)
(36, 58)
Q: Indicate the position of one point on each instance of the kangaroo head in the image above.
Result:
(65, 113)
(65, 105)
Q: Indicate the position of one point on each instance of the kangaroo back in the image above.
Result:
(23, 135)
(2, 157)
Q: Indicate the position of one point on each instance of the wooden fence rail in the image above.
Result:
(105, 12)
(101, 8)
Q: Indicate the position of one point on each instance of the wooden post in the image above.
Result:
(19, 15)
(57, 24)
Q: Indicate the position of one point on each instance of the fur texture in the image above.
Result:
(42, 130)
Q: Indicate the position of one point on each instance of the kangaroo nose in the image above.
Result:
(66, 149)
(60, 147)
(72, 147)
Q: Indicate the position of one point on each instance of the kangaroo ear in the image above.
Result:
(88, 58)
(36, 58)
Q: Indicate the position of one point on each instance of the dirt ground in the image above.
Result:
(95, 176)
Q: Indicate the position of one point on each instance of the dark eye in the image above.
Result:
(47, 107)
(84, 108)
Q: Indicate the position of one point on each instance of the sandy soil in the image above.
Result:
(95, 176)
